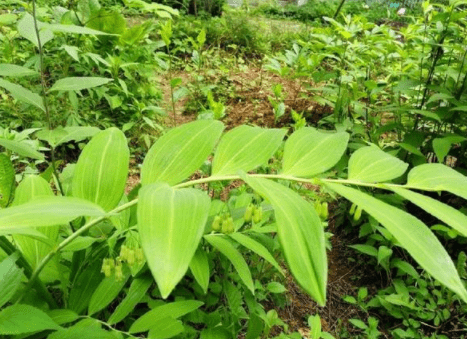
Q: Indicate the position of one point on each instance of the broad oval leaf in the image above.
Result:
(301, 235)
(102, 168)
(7, 180)
(9, 70)
(18, 319)
(23, 94)
(171, 223)
(371, 164)
(245, 148)
(34, 250)
(78, 83)
(412, 234)
(180, 152)
(137, 291)
(47, 211)
(21, 148)
(173, 310)
(199, 267)
(443, 212)
(309, 152)
(235, 257)
(438, 177)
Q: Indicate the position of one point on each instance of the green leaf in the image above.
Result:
(171, 223)
(180, 152)
(34, 186)
(47, 211)
(166, 328)
(111, 21)
(256, 247)
(62, 316)
(7, 180)
(79, 243)
(199, 267)
(245, 148)
(60, 135)
(438, 177)
(309, 152)
(102, 169)
(300, 234)
(443, 212)
(21, 148)
(412, 234)
(227, 249)
(8, 19)
(365, 249)
(107, 291)
(18, 319)
(81, 330)
(371, 164)
(51, 135)
(383, 253)
(78, 83)
(83, 287)
(10, 278)
(27, 30)
(405, 267)
(73, 29)
(315, 325)
(22, 94)
(442, 146)
(173, 310)
(275, 287)
(9, 70)
(358, 323)
(137, 291)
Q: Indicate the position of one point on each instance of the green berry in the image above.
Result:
(258, 214)
(358, 214)
(216, 224)
(248, 213)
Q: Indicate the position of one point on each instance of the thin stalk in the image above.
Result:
(44, 91)
(41, 66)
(438, 53)
(338, 9)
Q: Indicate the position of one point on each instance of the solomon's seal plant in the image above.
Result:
(168, 224)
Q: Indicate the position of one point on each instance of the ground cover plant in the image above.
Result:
(139, 200)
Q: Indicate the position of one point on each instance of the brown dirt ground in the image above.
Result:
(248, 103)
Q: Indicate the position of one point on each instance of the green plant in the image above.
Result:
(172, 219)
(277, 102)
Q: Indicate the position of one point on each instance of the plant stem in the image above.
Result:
(338, 9)
(44, 92)
(41, 65)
